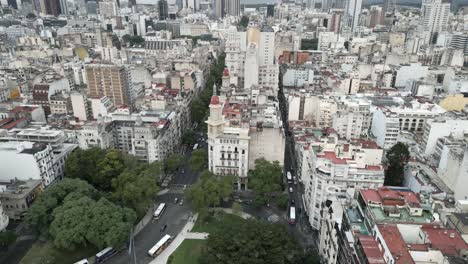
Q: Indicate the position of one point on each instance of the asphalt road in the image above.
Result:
(174, 217)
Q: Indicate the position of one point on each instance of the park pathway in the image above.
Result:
(184, 234)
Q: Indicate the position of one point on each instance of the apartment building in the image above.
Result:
(109, 80)
(353, 118)
(339, 168)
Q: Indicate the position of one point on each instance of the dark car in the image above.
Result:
(292, 201)
(163, 228)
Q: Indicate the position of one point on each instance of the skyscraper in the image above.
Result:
(232, 7)
(434, 18)
(353, 11)
(220, 8)
(109, 80)
(163, 10)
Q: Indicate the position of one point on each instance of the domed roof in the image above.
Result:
(214, 100)
(226, 72)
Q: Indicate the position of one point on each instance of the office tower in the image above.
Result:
(163, 10)
(220, 8)
(108, 80)
(434, 15)
(270, 10)
(353, 11)
(64, 7)
(52, 7)
(13, 3)
(232, 7)
(108, 8)
(389, 6)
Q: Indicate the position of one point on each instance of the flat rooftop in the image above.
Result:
(405, 217)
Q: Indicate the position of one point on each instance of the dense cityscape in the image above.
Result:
(233, 132)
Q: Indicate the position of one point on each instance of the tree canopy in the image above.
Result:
(199, 160)
(397, 158)
(173, 162)
(209, 191)
(73, 215)
(40, 216)
(266, 178)
(189, 137)
(250, 241)
(244, 22)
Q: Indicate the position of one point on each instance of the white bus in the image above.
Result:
(159, 211)
(83, 261)
(105, 254)
(195, 146)
(289, 177)
(160, 246)
(292, 215)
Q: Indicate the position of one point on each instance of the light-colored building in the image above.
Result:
(385, 128)
(17, 196)
(443, 126)
(27, 160)
(434, 18)
(339, 168)
(80, 106)
(101, 106)
(4, 219)
(228, 147)
(353, 118)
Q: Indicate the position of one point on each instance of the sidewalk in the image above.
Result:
(229, 211)
(184, 234)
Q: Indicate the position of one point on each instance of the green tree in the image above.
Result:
(71, 223)
(173, 162)
(397, 158)
(135, 189)
(282, 201)
(82, 164)
(267, 244)
(108, 168)
(266, 178)
(189, 137)
(7, 238)
(198, 110)
(209, 191)
(39, 215)
(110, 224)
(199, 160)
(82, 220)
(244, 22)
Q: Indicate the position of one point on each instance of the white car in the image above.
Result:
(290, 189)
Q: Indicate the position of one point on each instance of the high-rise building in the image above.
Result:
(353, 11)
(220, 8)
(434, 15)
(270, 10)
(52, 7)
(108, 8)
(232, 7)
(389, 6)
(163, 10)
(64, 7)
(109, 80)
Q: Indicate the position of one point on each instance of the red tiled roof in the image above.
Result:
(331, 156)
(448, 241)
(396, 244)
(13, 124)
(371, 249)
(388, 196)
(23, 109)
(214, 100)
(367, 144)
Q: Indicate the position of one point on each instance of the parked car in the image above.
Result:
(181, 202)
(176, 200)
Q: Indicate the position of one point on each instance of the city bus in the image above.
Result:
(160, 246)
(105, 254)
(83, 261)
(292, 215)
(195, 146)
(159, 211)
(289, 177)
